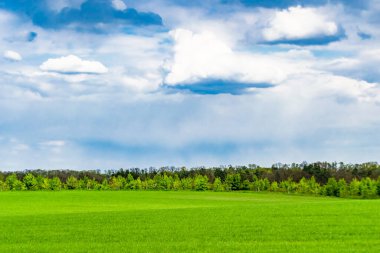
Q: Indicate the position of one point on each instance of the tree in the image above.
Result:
(217, 185)
(55, 184)
(14, 183)
(233, 182)
(187, 183)
(314, 186)
(288, 185)
(43, 183)
(105, 185)
(117, 183)
(342, 188)
(367, 188)
(245, 185)
(354, 188)
(138, 184)
(72, 183)
(303, 186)
(332, 187)
(30, 182)
(274, 186)
(201, 183)
(4, 186)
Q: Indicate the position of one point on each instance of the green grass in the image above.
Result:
(85, 221)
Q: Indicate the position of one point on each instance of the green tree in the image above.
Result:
(354, 188)
(43, 183)
(201, 183)
(314, 186)
(30, 182)
(187, 183)
(303, 186)
(342, 188)
(232, 182)
(72, 183)
(332, 187)
(105, 185)
(217, 185)
(367, 188)
(117, 183)
(246, 185)
(14, 183)
(138, 184)
(4, 186)
(274, 186)
(55, 184)
(177, 183)
(288, 186)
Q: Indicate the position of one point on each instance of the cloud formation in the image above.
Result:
(12, 55)
(203, 56)
(72, 64)
(299, 23)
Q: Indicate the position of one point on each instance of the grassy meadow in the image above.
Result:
(158, 221)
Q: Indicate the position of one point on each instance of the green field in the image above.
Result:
(127, 221)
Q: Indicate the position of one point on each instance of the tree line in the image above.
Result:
(321, 178)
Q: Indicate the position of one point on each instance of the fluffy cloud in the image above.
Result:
(204, 56)
(297, 23)
(72, 64)
(12, 55)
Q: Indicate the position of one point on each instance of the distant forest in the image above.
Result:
(319, 178)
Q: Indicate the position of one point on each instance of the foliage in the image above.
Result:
(229, 179)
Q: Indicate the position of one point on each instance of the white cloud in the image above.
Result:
(73, 64)
(299, 23)
(12, 55)
(205, 56)
(119, 5)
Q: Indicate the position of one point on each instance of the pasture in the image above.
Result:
(185, 221)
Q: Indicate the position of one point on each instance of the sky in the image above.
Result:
(109, 84)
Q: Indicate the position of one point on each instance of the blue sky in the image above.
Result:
(106, 84)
